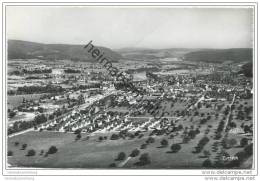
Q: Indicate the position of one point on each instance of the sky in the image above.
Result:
(120, 27)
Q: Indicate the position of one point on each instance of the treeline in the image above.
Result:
(23, 125)
(39, 89)
(37, 71)
(72, 71)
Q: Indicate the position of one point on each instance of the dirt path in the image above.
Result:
(124, 162)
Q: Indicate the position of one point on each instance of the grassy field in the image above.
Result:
(14, 101)
(93, 153)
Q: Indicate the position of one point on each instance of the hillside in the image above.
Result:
(23, 49)
(151, 54)
(221, 55)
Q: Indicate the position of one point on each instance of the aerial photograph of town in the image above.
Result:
(129, 88)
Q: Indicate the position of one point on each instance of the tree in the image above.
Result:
(207, 163)
(206, 153)
(78, 137)
(243, 142)
(150, 140)
(81, 99)
(24, 146)
(112, 165)
(52, 150)
(249, 149)
(135, 153)
(145, 159)
(100, 138)
(16, 143)
(30, 152)
(121, 156)
(143, 146)
(42, 151)
(10, 153)
(114, 137)
(229, 143)
(175, 148)
(164, 143)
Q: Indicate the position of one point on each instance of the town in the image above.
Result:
(74, 114)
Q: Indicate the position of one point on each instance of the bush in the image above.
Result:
(143, 146)
(52, 150)
(229, 143)
(100, 138)
(10, 153)
(150, 140)
(121, 156)
(243, 142)
(114, 137)
(16, 143)
(78, 137)
(249, 149)
(24, 146)
(207, 163)
(30, 152)
(112, 165)
(42, 151)
(206, 153)
(145, 159)
(78, 131)
(140, 136)
(164, 143)
(175, 148)
(135, 153)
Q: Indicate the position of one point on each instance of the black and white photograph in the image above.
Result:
(129, 87)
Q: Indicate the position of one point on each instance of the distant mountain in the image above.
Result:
(221, 55)
(151, 54)
(18, 49)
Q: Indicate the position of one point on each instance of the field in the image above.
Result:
(93, 153)
(14, 101)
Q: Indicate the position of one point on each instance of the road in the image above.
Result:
(227, 120)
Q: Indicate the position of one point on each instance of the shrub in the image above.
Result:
(175, 148)
(78, 137)
(24, 146)
(10, 153)
(52, 150)
(150, 140)
(42, 151)
(243, 142)
(16, 143)
(206, 153)
(121, 156)
(185, 139)
(229, 143)
(100, 138)
(112, 165)
(30, 152)
(249, 149)
(135, 153)
(143, 146)
(164, 143)
(140, 136)
(145, 159)
(207, 163)
(114, 137)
